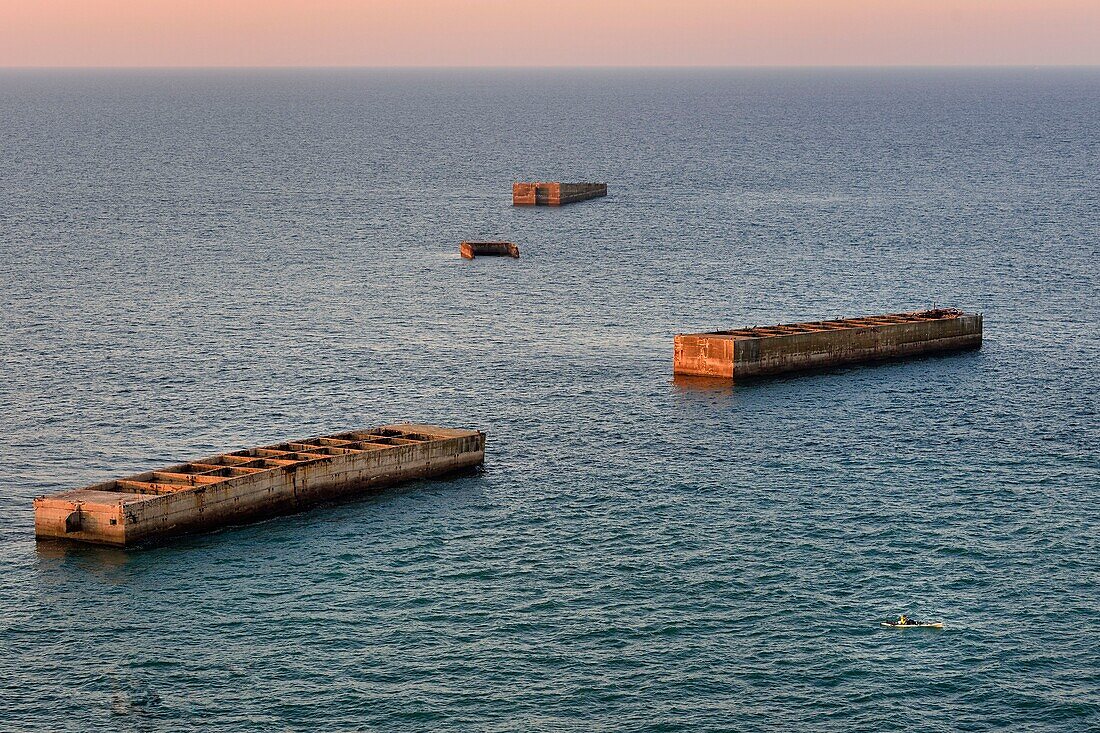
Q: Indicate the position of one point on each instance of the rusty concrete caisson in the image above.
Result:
(757, 352)
(555, 194)
(254, 483)
(470, 250)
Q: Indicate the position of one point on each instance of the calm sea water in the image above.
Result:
(199, 261)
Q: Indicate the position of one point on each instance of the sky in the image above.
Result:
(135, 33)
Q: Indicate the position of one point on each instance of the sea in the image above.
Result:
(196, 261)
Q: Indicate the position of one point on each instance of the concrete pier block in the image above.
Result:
(555, 194)
(757, 352)
(469, 250)
(255, 483)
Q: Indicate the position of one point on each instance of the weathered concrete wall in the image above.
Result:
(703, 355)
(571, 192)
(555, 194)
(524, 194)
(146, 506)
(88, 515)
(733, 355)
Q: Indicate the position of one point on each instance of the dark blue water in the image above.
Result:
(199, 261)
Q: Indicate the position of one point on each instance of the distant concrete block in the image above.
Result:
(469, 250)
(555, 194)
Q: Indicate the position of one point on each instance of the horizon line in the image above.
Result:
(306, 67)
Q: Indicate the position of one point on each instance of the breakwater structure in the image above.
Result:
(470, 250)
(255, 483)
(765, 351)
(555, 194)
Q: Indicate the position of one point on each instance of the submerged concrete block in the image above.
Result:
(757, 352)
(251, 484)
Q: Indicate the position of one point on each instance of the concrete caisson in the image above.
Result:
(470, 250)
(758, 352)
(555, 194)
(258, 482)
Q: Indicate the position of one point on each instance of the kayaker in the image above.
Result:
(904, 620)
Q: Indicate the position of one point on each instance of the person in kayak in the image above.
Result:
(904, 620)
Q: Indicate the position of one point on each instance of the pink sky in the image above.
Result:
(546, 32)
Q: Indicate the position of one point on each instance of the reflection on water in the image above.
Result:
(53, 550)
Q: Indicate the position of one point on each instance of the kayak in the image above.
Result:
(914, 625)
